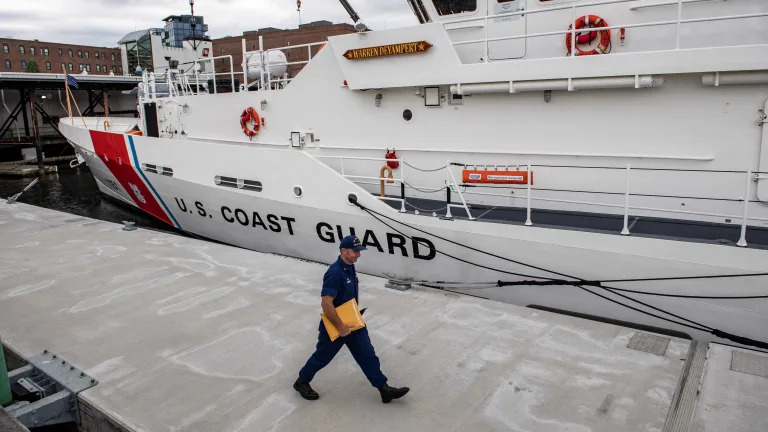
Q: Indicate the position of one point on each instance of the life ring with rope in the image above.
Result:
(250, 115)
(592, 22)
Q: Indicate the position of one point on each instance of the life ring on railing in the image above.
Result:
(250, 115)
(592, 22)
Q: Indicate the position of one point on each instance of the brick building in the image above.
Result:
(50, 56)
(316, 31)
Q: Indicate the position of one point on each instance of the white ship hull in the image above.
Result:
(663, 140)
(309, 228)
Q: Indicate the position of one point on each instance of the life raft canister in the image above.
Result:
(391, 158)
(250, 115)
(592, 22)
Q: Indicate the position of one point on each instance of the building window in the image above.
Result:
(7, 64)
(31, 50)
(82, 68)
(70, 53)
(98, 68)
(120, 69)
(86, 54)
(104, 56)
(114, 68)
(79, 53)
(21, 49)
(5, 49)
(69, 66)
(96, 54)
(87, 68)
(113, 56)
(23, 64)
(45, 52)
(47, 65)
(104, 68)
(61, 52)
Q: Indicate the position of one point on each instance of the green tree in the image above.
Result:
(32, 67)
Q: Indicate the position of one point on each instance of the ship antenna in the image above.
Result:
(359, 25)
(298, 9)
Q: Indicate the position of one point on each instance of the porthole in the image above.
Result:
(352, 198)
(407, 115)
(298, 192)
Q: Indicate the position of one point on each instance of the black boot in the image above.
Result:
(305, 390)
(388, 393)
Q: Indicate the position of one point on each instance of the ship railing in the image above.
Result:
(265, 81)
(750, 177)
(740, 195)
(175, 82)
(355, 178)
(678, 22)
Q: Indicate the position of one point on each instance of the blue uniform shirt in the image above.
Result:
(340, 282)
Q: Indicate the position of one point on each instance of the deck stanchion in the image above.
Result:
(245, 65)
(486, 37)
(679, 19)
(528, 198)
(448, 191)
(261, 57)
(573, 31)
(625, 230)
(402, 193)
(747, 189)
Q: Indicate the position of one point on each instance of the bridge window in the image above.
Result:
(450, 7)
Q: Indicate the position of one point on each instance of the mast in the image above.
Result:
(359, 25)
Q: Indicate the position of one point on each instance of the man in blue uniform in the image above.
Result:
(340, 286)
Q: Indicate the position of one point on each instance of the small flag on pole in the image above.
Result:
(71, 81)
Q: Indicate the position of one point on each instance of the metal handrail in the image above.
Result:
(678, 22)
(749, 178)
(265, 63)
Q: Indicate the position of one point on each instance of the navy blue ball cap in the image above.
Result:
(352, 242)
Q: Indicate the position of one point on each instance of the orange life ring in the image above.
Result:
(595, 22)
(250, 115)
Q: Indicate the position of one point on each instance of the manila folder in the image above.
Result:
(349, 313)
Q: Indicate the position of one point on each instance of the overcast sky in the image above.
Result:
(104, 22)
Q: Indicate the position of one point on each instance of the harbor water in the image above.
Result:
(74, 190)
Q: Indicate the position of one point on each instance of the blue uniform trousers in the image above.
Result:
(359, 345)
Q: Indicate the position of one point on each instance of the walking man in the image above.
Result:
(340, 286)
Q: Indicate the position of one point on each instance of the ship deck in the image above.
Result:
(641, 226)
(184, 334)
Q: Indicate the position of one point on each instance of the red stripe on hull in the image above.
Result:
(113, 151)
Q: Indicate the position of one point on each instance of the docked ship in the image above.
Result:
(607, 159)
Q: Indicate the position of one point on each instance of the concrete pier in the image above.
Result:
(188, 335)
